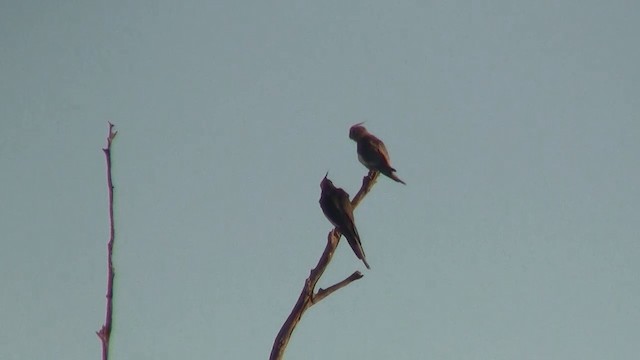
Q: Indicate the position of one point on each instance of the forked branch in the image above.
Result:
(307, 296)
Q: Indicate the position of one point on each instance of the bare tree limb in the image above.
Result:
(104, 333)
(323, 293)
(307, 297)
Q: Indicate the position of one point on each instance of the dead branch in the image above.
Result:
(307, 296)
(104, 333)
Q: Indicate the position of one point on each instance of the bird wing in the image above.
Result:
(349, 227)
(376, 149)
(343, 202)
(337, 207)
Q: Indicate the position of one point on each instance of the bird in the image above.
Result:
(336, 206)
(372, 153)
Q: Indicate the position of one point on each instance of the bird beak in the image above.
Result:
(325, 175)
(358, 124)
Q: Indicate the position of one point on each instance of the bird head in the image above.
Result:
(357, 131)
(326, 183)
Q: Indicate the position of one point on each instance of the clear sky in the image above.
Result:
(514, 123)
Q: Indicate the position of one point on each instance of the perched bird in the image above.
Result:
(336, 206)
(372, 153)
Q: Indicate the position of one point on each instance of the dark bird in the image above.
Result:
(336, 206)
(372, 153)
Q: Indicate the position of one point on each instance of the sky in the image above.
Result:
(514, 124)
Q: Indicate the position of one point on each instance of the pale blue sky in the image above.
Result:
(514, 123)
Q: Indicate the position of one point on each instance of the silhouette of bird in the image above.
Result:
(372, 153)
(336, 206)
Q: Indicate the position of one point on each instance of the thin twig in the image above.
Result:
(307, 297)
(105, 332)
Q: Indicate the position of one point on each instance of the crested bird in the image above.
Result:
(372, 153)
(336, 206)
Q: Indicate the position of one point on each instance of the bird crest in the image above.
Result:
(357, 131)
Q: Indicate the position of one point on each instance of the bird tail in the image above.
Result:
(356, 246)
(390, 172)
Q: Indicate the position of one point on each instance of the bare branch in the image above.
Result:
(307, 297)
(105, 332)
(323, 293)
